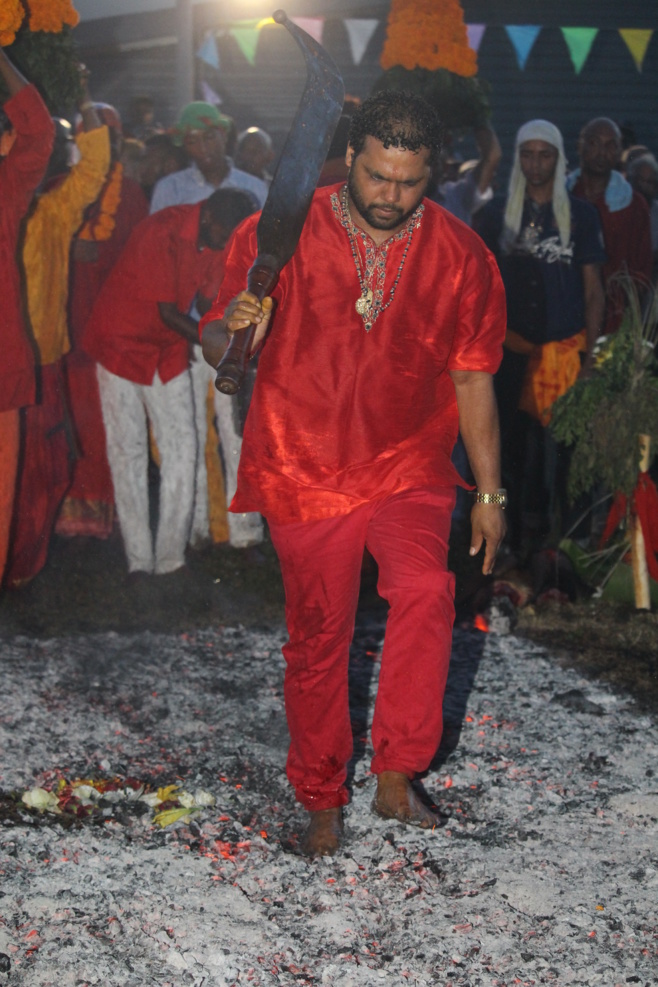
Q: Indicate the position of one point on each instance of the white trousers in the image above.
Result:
(170, 410)
(244, 529)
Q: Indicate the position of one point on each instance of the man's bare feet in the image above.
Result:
(396, 799)
(324, 834)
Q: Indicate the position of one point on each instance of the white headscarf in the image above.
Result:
(537, 130)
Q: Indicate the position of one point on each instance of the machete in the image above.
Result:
(296, 177)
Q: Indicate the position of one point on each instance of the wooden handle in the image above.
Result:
(261, 279)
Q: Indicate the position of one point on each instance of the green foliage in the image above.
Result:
(50, 62)
(602, 416)
(460, 102)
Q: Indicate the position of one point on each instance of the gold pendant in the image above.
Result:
(363, 303)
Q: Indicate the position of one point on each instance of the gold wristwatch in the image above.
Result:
(499, 497)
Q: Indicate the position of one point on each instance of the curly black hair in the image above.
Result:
(397, 119)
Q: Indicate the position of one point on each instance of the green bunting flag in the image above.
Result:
(246, 33)
(579, 42)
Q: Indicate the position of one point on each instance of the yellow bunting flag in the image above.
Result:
(637, 42)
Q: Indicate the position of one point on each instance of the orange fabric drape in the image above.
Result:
(552, 369)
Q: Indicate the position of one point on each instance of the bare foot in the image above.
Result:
(324, 834)
(396, 799)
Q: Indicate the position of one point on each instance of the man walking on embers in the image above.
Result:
(388, 328)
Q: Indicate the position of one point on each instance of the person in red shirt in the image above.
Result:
(88, 508)
(26, 140)
(139, 333)
(387, 331)
(623, 212)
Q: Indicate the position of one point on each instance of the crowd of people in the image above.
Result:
(113, 241)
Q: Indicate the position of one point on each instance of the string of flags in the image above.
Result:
(360, 30)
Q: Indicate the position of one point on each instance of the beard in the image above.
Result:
(397, 216)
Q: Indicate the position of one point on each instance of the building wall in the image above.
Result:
(136, 53)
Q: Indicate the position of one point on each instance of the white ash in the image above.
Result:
(546, 871)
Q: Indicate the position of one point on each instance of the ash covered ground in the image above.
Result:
(544, 872)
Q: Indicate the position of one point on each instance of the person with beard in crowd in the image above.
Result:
(387, 331)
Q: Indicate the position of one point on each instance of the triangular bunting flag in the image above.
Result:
(208, 52)
(312, 25)
(209, 95)
(523, 38)
(637, 42)
(579, 42)
(246, 33)
(359, 31)
(475, 34)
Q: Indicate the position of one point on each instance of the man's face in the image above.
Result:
(599, 149)
(212, 234)
(538, 161)
(386, 184)
(205, 147)
(253, 155)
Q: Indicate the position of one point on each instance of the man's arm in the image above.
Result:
(478, 424)
(240, 313)
(182, 324)
(594, 310)
(490, 156)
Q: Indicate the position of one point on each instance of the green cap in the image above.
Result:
(199, 116)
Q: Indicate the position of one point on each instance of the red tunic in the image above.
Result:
(20, 173)
(627, 241)
(160, 263)
(341, 416)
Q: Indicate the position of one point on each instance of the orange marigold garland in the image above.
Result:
(38, 36)
(428, 34)
(51, 15)
(12, 13)
(427, 52)
(101, 225)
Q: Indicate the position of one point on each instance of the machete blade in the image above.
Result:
(304, 152)
(295, 180)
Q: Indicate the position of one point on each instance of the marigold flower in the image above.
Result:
(12, 13)
(51, 15)
(428, 34)
(102, 225)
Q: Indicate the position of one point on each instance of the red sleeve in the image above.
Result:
(27, 161)
(478, 340)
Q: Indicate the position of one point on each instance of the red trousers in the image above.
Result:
(9, 448)
(407, 534)
(44, 474)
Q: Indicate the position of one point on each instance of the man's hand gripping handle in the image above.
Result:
(261, 279)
